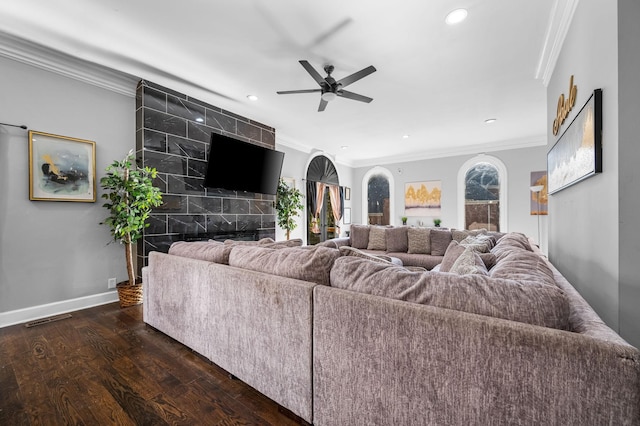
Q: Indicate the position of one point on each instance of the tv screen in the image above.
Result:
(241, 166)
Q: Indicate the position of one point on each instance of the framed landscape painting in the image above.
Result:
(422, 198)
(578, 153)
(61, 168)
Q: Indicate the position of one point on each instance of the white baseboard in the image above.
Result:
(20, 316)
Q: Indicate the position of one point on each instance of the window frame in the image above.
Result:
(462, 188)
(377, 170)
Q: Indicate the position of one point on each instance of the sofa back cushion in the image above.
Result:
(211, 251)
(509, 242)
(440, 239)
(523, 265)
(359, 235)
(523, 301)
(397, 239)
(307, 264)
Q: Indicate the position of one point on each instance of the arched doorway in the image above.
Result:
(325, 200)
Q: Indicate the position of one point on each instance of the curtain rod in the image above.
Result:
(22, 126)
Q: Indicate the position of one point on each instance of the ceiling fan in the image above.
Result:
(329, 87)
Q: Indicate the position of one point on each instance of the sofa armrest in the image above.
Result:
(379, 360)
(336, 242)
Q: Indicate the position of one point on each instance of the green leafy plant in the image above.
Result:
(130, 197)
(288, 206)
(437, 222)
(404, 220)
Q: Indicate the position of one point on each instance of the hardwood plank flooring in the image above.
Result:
(104, 366)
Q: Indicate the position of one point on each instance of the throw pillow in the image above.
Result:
(469, 262)
(418, 241)
(359, 236)
(459, 235)
(440, 239)
(377, 240)
(397, 239)
(476, 244)
(454, 250)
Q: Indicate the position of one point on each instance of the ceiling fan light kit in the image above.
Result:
(329, 87)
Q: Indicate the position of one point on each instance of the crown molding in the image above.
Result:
(453, 152)
(60, 63)
(557, 29)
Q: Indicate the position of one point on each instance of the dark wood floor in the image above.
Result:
(104, 366)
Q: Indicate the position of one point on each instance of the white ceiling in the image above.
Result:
(434, 82)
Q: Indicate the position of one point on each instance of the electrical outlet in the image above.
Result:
(111, 283)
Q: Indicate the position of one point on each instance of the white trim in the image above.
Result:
(378, 170)
(66, 65)
(502, 173)
(557, 29)
(31, 313)
(534, 141)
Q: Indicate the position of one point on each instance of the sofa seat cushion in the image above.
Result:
(211, 251)
(420, 260)
(307, 264)
(523, 301)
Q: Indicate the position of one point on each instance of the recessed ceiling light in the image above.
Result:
(490, 120)
(344, 147)
(456, 16)
(200, 120)
(405, 136)
(252, 97)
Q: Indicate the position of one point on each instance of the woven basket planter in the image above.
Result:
(129, 295)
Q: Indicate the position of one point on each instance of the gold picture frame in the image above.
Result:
(61, 168)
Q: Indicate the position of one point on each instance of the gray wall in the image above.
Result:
(55, 251)
(629, 159)
(519, 163)
(593, 230)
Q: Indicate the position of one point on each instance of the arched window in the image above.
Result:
(482, 193)
(378, 196)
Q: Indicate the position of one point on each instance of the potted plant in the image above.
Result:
(404, 220)
(288, 206)
(130, 196)
(437, 222)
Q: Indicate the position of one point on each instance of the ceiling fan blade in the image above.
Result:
(344, 82)
(354, 96)
(323, 105)
(312, 71)
(330, 32)
(290, 92)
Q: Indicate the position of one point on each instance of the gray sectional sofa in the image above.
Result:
(413, 246)
(348, 340)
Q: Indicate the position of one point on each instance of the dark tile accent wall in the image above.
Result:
(172, 134)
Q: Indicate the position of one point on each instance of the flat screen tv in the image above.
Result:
(241, 166)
